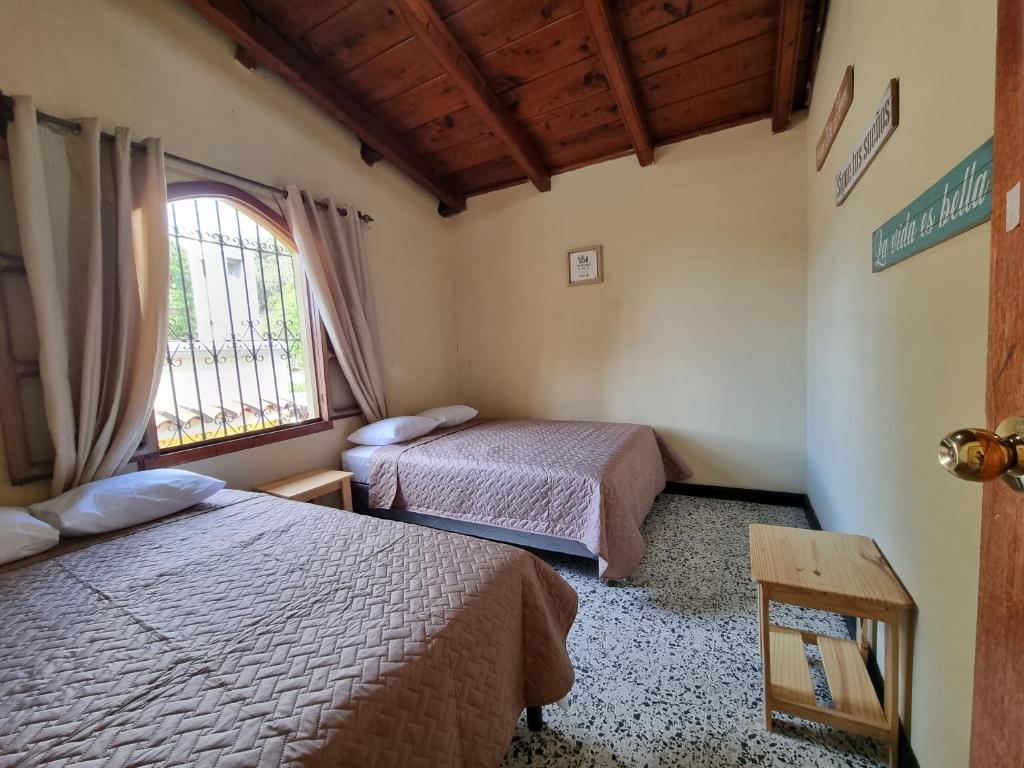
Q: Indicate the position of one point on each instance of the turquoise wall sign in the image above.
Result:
(958, 201)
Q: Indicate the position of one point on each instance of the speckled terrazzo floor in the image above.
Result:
(668, 671)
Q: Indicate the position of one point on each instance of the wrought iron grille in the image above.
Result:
(239, 356)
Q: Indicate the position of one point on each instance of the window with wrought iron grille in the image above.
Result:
(242, 354)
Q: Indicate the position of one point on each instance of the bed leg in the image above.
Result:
(534, 718)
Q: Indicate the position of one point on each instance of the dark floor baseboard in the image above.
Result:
(812, 517)
(785, 499)
(752, 495)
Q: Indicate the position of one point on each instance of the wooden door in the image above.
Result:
(997, 731)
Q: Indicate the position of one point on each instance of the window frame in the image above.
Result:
(151, 455)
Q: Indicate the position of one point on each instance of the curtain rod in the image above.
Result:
(7, 116)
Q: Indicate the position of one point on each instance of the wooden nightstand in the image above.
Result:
(307, 486)
(838, 573)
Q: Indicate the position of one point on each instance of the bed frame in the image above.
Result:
(534, 718)
(361, 504)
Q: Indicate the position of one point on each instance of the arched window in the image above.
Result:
(244, 354)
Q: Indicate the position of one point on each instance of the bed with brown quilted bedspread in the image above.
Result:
(585, 481)
(254, 631)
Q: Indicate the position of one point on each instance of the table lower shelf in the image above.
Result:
(855, 705)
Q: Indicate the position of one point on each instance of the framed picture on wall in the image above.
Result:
(585, 265)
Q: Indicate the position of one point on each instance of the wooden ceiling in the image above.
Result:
(468, 96)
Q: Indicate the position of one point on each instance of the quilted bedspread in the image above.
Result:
(591, 482)
(263, 632)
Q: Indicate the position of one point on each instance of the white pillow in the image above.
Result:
(394, 430)
(22, 535)
(451, 415)
(124, 500)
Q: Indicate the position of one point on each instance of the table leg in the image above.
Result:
(910, 618)
(346, 495)
(862, 636)
(766, 646)
(892, 684)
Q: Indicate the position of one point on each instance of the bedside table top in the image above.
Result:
(838, 565)
(306, 485)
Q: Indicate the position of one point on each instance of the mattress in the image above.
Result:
(357, 461)
(588, 482)
(265, 633)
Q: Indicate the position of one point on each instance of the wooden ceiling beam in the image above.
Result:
(369, 155)
(264, 46)
(610, 48)
(242, 57)
(787, 55)
(428, 26)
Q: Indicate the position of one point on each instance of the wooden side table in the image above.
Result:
(838, 573)
(307, 486)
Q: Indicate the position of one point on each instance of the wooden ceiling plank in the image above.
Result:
(747, 97)
(578, 117)
(715, 70)
(583, 162)
(471, 145)
(592, 146)
(703, 33)
(447, 131)
(428, 26)
(552, 47)
(714, 127)
(439, 98)
(363, 30)
(787, 56)
(281, 56)
(557, 89)
(447, 7)
(487, 25)
(487, 177)
(617, 70)
(393, 72)
(294, 18)
(639, 17)
(418, 106)
(467, 154)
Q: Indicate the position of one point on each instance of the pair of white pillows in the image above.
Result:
(101, 506)
(139, 497)
(402, 428)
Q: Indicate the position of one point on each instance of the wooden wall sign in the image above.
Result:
(835, 118)
(958, 201)
(887, 117)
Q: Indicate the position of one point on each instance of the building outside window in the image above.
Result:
(240, 357)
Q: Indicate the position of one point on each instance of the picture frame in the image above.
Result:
(585, 265)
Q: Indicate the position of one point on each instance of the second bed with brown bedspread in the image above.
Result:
(267, 633)
(589, 482)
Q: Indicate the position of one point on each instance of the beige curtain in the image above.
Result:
(92, 220)
(333, 256)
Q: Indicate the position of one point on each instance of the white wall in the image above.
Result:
(897, 359)
(699, 326)
(158, 68)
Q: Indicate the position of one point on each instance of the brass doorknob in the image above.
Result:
(980, 455)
